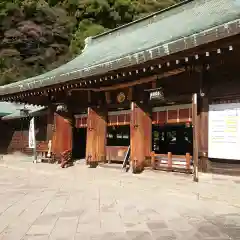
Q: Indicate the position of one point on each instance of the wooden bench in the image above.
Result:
(169, 162)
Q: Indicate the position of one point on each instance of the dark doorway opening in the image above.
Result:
(174, 138)
(79, 143)
(118, 141)
(118, 135)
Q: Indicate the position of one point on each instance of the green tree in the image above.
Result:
(39, 35)
(85, 29)
(33, 38)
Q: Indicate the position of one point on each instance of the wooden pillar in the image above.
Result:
(62, 134)
(195, 136)
(96, 135)
(202, 121)
(141, 136)
(50, 122)
(203, 134)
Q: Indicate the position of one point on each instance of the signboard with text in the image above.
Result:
(224, 131)
(157, 94)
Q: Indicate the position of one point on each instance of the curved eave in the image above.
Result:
(187, 26)
(3, 114)
(14, 116)
(34, 113)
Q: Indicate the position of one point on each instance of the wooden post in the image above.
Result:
(108, 97)
(89, 97)
(50, 122)
(141, 133)
(202, 122)
(188, 160)
(49, 137)
(153, 162)
(195, 137)
(169, 161)
(96, 136)
(130, 94)
(203, 136)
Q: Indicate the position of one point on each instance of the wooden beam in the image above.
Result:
(154, 84)
(130, 94)
(89, 96)
(108, 97)
(134, 83)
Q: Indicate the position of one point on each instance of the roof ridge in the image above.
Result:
(91, 40)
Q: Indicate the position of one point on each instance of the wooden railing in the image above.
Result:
(116, 153)
(42, 149)
(42, 152)
(169, 162)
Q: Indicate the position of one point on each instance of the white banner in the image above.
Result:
(224, 131)
(31, 138)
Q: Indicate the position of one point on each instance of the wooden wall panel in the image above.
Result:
(113, 120)
(154, 118)
(141, 136)
(185, 113)
(19, 142)
(15, 135)
(81, 121)
(173, 114)
(96, 134)
(116, 153)
(119, 118)
(161, 117)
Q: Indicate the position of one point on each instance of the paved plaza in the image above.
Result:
(42, 201)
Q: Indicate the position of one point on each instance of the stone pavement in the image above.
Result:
(42, 201)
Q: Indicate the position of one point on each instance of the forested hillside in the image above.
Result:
(38, 35)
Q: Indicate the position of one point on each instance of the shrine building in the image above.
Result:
(166, 85)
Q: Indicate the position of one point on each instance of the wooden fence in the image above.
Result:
(169, 162)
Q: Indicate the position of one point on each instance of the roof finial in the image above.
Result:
(87, 41)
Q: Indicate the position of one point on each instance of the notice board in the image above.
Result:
(224, 131)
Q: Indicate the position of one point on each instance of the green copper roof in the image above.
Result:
(24, 114)
(7, 108)
(138, 42)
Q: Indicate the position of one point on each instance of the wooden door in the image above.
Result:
(62, 137)
(96, 134)
(141, 134)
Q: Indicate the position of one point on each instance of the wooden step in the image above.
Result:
(46, 160)
(224, 168)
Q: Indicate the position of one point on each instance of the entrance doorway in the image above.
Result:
(174, 138)
(79, 143)
(118, 135)
(118, 141)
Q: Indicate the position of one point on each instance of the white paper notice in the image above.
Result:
(31, 137)
(224, 131)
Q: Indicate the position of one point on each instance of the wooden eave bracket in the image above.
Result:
(134, 83)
